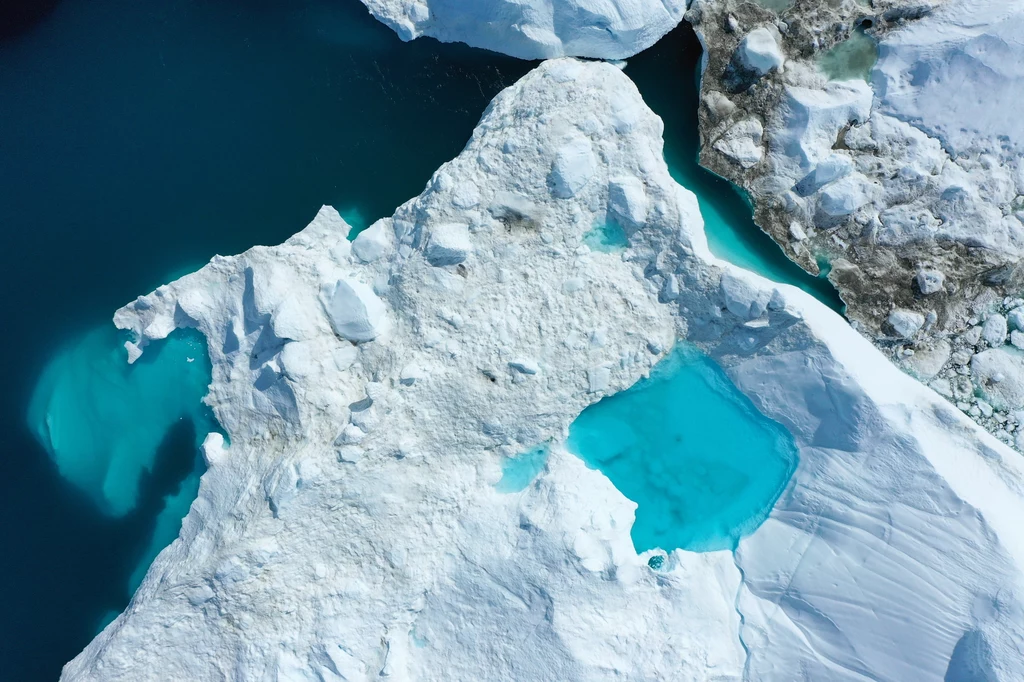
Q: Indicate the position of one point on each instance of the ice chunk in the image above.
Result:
(742, 143)
(374, 242)
(930, 281)
(906, 323)
(760, 52)
(356, 313)
(999, 373)
(449, 245)
(573, 167)
(743, 298)
(994, 330)
(627, 201)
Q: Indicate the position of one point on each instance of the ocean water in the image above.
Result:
(137, 140)
(668, 77)
(703, 465)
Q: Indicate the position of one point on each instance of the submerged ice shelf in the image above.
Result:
(103, 420)
(112, 427)
(703, 465)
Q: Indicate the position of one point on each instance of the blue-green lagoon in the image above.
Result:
(703, 465)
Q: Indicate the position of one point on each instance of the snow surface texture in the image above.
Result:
(536, 29)
(910, 186)
(353, 529)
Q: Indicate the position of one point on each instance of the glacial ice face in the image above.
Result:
(102, 420)
(703, 466)
(536, 29)
(353, 528)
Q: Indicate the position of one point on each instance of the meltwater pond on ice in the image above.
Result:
(703, 465)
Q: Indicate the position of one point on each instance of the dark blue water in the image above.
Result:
(137, 139)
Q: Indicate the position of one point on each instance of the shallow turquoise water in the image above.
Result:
(728, 223)
(607, 238)
(102, 420)
(853, 58)
(703, 465)
(518, 472)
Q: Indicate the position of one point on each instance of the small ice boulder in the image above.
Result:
(573, 167)
(374, 242)
(760, 52)
(930, 281)
(741, 143)
(1016, 319)
(448, 245)
(999, 374)
(994, 330)
(627, 201)
(906, 323)
(356, 313)
(742, 298)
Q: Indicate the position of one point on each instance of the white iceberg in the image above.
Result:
(359, 535)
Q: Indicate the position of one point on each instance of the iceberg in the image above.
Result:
(353, 525)
(536, 29)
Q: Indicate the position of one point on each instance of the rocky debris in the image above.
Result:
(916, 206)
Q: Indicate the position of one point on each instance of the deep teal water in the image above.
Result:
(703, 465)
(668, 77)
(138, 139)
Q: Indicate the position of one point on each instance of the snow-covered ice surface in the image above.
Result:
(910, 184)
(352, 529)
(536, 29)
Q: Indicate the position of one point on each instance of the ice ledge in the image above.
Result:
(352, 530)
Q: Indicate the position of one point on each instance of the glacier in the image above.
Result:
(350, 526)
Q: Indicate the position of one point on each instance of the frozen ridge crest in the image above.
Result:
(350, 528)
